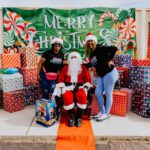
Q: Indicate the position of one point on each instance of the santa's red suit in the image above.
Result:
(68, 83)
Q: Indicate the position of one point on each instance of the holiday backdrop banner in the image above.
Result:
(37, 27)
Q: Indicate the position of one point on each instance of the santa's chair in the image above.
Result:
(59, 103)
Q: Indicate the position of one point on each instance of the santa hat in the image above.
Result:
(57, 40)
(90, 36)
(74, 53)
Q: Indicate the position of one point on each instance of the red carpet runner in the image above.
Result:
(75, 138)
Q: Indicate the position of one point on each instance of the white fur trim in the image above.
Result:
(91, 37)
(74, 54)
(68, 88)
(82, 106)
(68, 107)
(60, 85)
(87, 84)
(57, 40)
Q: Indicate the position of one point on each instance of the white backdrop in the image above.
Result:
(75, 3)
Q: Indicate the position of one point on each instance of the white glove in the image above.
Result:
(85, 90)
(57, 92)
(87, 85)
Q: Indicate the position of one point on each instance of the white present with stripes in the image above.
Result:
(11, 82)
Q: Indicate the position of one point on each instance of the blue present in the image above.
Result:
(45, 112)
(141, 99)
(139, 73)
(123, 60)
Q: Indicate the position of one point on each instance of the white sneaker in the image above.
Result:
(103, 117)
(96, 116)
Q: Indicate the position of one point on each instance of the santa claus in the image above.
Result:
(74, 81)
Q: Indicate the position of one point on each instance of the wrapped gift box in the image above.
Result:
(1, 99)
(94, 106)
(13, 101)
(11, 60)
(31, 94)
(130, 93)
(11, 82)
(123, 60)
(119, 106)
(125, 75)
(28, 57)
(45, 112)
(120, 102)
(141, 99)
(140, 62)
(29, 76)
(120, 81)
(139, 73)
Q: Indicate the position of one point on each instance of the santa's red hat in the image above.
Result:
(90, 36)
(74, 53)
(57, 40)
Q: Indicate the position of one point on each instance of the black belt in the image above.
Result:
(75, 84)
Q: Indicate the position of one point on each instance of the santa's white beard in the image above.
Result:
(74, 70)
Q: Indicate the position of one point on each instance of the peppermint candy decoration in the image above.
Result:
(29, 31)
(120, 41)
(14, 23)
(108, 36)
(128, 28)
(8, 39)
(106, 15)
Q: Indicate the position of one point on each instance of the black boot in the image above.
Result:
(78, 120)
(71, 121)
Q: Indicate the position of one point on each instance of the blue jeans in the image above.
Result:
(46, 85)
(106, 84)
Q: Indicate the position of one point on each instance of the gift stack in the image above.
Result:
(11, 83)
(141, 99)
(32, 90)
(139, 76)
(45, 112)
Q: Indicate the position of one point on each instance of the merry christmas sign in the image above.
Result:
(111, 26)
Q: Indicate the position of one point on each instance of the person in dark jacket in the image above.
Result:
(49, 67)
(100, 60)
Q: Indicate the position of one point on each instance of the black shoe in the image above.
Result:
(78, 122)
(71, 122)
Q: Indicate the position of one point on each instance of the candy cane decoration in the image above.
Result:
(29, 30)
(106, 15)
(14, 23)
